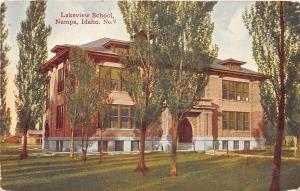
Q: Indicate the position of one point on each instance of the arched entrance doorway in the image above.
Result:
(185, 132)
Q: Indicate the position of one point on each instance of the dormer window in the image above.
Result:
(234, 67)
(232, 64)
(118, 47)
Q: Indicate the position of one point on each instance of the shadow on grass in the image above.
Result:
(196, 172)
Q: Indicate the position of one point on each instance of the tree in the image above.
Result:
(275, 45)
(293, 93)
(105, 108)
(184, 43)
(103, 119)
(141, 77)
(82, 96)
(5, 119)
(31, 83)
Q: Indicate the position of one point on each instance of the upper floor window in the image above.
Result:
(122, 116)
(235, 90)
(60, 83)
(59, 116)
(112, 75)
(235, 120)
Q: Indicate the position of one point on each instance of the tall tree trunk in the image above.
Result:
(72, 143)
(141, 167)
(173, 165)
(298, 141)
(101, 148)
(275, 184)
(83, 145)
(24, 154)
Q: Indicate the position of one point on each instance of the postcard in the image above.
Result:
(150, 95)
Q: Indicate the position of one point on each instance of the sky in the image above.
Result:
(230, 34)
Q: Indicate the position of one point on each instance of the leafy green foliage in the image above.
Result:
(82, 94)
(262, 22)
(141, 75)
(185, 51)
(5, 119)
(30, 81)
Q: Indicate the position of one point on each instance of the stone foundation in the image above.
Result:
(60, 144)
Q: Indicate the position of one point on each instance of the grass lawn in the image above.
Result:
(197, 171)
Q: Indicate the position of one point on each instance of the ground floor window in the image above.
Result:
(135, 145)
(246, 145)
(235, 120)
(119, 145)
(216, 145)
(104, 146)
(122, 116)
(59, 146)
(236, 145)
(59, 116)
(224, 145)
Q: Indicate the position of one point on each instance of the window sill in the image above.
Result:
(127, 129)
(234, 130)
(232, 100)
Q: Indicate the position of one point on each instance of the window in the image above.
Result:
(235, 90)
(59, 146)
(104, 146)
(235, 120)
(234, 67)
(115, 79)
(246, 145)
(246, 122)
(119, 145)
(239, 121)
(114, 117)
(236, 145)
(225, 120)
(59, 116)
(232, 90)
(245, 95)
(124, 116)
(111, 74)
(239, 91)
(60, 84)
(134, 145)
(216, 145)
(225, 89)
(231, 120)
(224, 145)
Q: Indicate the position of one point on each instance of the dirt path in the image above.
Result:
(218, 153)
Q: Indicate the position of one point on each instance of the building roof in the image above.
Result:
(231, 60)
(218, 65)
(95, 46)
(102, 46)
